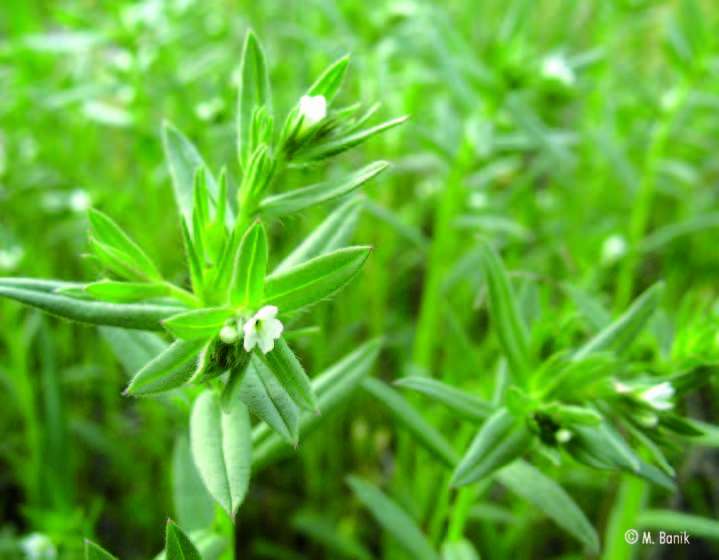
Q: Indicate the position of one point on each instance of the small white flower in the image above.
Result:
(79, 201)
(37, 546)
(555, 67)
(563, 435)
(313, 108)
(613, 248)
(262, 329)
(659, 397)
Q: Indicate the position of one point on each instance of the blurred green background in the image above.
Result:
(580, 136)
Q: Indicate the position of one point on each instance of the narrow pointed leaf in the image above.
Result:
(460, 402)
(96, 552)
(500, 440)
(289, 372)
(333, 387)
(323, 150)
(461, 549)
(254, 91)
(529, 483)
(170, 369)
(330, 81)
(198, 323)
(506, 319)
(334, 232)
(299, 199)
(128, 315)
(312, 281)
(266, 398)
(622, 332)
(221, 447)
(125, 292)
(193, 505)
(248, 279)
(393, 519)
(178, 545)
(425, 434)
(183, 160)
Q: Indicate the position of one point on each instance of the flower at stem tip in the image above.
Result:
(262, 329)
(313, 108)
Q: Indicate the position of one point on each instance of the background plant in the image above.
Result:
(578, 138)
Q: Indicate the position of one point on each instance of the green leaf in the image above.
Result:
(117, 251)
(425, 434)
(216, 358)
(602, 447)
(393, 519)
(299, 199)
(184, 160)
(460, 402)
(194, 507)
(312, 281)
(128, 315)
(178, 545)
(331, 234)
(529, 483)
(266, 398)
(677, 521)
(620, 334)
(208, 543)
(459, 550)
(125, 292)
(170, 369)
(222, 448)
(134, 349)
(500, 440)
(289, 372)
(332, 387)
(321, 530)
(197, 323)
(96, 552)
(330, 81)
(329, 148)
(248, 279)
(254, 91)
(506, 319)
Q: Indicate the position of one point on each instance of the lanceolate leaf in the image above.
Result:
(506, 319)
(393, 519)
(333, 387)
(314, 280)
(334, 232)
(622, 332)
(193, 505)
(117, 251)
(125, 292)
(425, 434)
(461, 549)
(458, 401)
(198, 323)
(529, 483)
(183, 160)
(336, 146)
(169, 370)
(250, 268)
(178, 546)
(254, 91)
(128, 315)
(330, 81)
(96, 552)
(299, 199)
(221, 447)
(289, 372)
(500, 440)
(265, 397)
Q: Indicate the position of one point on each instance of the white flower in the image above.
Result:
(613, 248)
(313, 108)
(555, 67)
(37, 546)
(659, 396)
(79, 200)
(262, 329)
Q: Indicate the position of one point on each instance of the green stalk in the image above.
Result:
(631, 497)
(642, 207)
